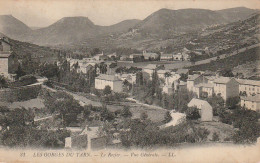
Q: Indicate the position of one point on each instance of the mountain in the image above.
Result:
(64, 31)
(175, 21)
(13, 27)
(74, 29)
(162, 24)
(123, 26)
(235, 14)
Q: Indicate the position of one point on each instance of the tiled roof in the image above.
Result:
(107, 77)
(150, 55)
(151, 66)
(5, 55)
(255, 98)
(210, 77)
(166, 55)
(197, 102)
(193, 77)
(222, 80)
(135, 54)
(182, 71)
(162, 71)
(249, 82)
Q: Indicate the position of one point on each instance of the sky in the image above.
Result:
(41, 13)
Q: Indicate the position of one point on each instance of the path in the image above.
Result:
(177, 118)
(44, 118)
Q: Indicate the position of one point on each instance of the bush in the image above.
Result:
(25, 80)
(215, 137)
(192, 113)
(143, 116)
(107, 90)
(167, 117)
(126, 113)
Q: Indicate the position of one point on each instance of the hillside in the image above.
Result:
(13, 27)
(249, 56)
(36, 52)
(120, 27)
(74, 29)
(64, 31)
(162, 24)
(167, 21)
(235, 14)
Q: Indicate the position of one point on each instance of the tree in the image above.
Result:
(143, 116)
(19, 72)
(155, 83)
(95, 51)
(139, 78)
(103, 68)
(232, 102)
(3, 82)
(184, 77)
(247, 123)
(126, 113)
(192, 113)
(106, 115)
(167, 117)
(107, 90)
(227, 73)
(17, 126)
(215, 137)
(217, 103)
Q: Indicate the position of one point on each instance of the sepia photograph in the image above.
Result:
(130, 81)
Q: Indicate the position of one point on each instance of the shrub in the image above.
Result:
(107, 90)
(192, 113)
(167, 117)
(143, 116)
(215, 137)
(126, 113)
(25, 80)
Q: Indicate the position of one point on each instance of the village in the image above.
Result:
(102, 101)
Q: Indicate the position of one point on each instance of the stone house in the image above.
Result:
(8, 59)
(205, 109)
(249, 87)
(149, 69)
(251, 102)
(204, 88)
(194, 80)
(166, 57)
(226, 87)
(104, 80)
(150, 56)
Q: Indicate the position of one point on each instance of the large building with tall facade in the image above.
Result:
(8, 60)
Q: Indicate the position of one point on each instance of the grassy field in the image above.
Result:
(224, 131)
(155, 115)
